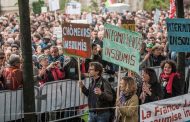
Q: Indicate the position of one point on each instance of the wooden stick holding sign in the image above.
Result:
(62, 23)
(119, 50)
(79, 72)
(76, 42)
(118, 84)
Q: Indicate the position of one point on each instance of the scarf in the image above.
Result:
(57, 74)
(124, 97)
(169, 78)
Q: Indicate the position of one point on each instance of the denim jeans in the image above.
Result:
(100, 117)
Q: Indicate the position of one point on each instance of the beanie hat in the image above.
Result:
(149, 45)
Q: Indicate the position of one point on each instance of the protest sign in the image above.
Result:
(128, 24)
(44, 9)
(82, 21)
(176, 109)
(73, 8)
(53, 5)
(157, 16)
(178, 34)
(122, 47)
(89, 18)
(58, 32)
(76, 40)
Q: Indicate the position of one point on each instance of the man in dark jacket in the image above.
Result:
(96, 57)
(99, 94)
(55, 56)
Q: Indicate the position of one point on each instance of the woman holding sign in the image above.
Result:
(128, 101)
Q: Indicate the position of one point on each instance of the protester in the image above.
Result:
(51, 59)
(170, 80)
(13, 74)
(156, 57)
(128, 101)
(99, 94)
(151, 88)
(96, 57)
(54, 56)
(49, 72)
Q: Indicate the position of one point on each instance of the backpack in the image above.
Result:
(13, 78)
(71, 69)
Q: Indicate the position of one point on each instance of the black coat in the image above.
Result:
(177, 87)
(156, 91)
(99, 101)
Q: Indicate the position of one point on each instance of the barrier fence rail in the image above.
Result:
(54, 101)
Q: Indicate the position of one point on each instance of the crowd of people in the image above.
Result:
(50, 63)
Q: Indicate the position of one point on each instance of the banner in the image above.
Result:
(76, 40)
(58, 32)
(178, 34)
(176, 109)
(122, 47)
(172, 9)
(128, 24)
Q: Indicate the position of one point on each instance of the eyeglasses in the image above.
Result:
(91, 69)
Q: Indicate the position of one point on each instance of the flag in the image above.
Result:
(172, 9)
(108, 2)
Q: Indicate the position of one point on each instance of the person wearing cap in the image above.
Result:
(156, 56)
(153, 57)
(46, 42)
(149, 47)
(145, 62)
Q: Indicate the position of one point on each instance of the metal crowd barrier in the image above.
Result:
(11, 105)
(60, 100)
(54, 101)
